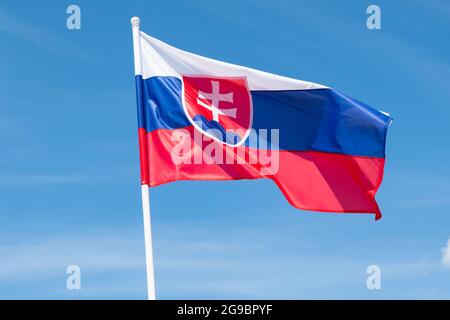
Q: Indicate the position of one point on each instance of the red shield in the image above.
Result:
(220, 107)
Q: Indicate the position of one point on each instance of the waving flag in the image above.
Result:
(202, 119)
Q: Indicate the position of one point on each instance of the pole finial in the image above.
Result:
(135, 21)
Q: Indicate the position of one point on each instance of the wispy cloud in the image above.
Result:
(50, 178)
(38, 36)
(49, 257)
(112, 264)
(246, 263)
(239, 263)
(446, 254)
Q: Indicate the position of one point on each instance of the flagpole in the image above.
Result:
(135, 22)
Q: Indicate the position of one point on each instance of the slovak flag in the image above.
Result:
(203, 119)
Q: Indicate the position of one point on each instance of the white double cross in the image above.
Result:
(216, 97)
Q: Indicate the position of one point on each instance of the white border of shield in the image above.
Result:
(204, 132)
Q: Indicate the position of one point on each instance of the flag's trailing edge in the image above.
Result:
(331, 148)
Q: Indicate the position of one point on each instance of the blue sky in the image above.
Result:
(69, 184)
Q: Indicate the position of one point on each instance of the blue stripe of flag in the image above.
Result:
(308, 120)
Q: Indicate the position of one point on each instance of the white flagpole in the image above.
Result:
(135, 21)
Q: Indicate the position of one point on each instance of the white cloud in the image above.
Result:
(49, 178)
(50, 257)
(446, 254)
(39, 36)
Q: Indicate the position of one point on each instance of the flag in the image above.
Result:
(203, 119)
